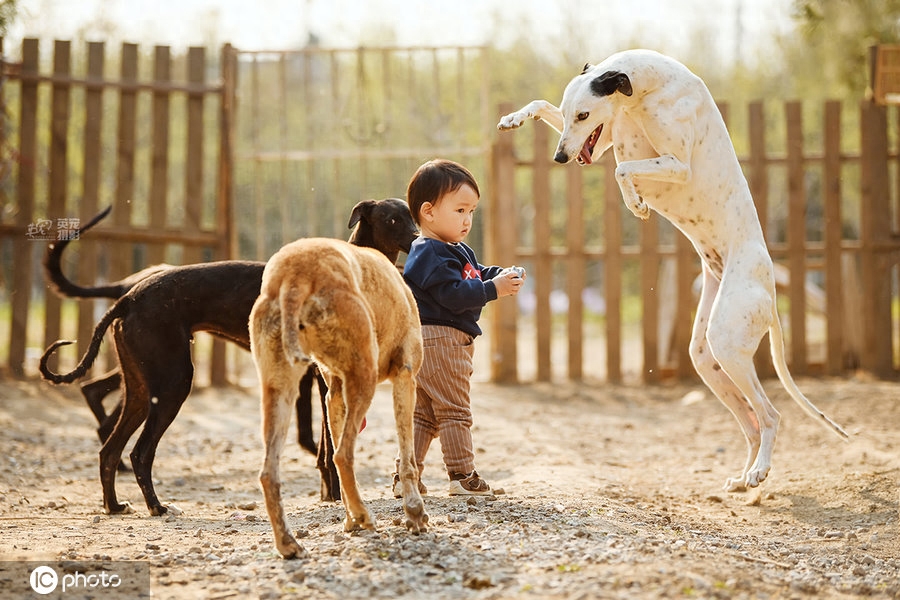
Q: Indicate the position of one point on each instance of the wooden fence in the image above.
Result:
(560, 219)
(610, 295)
(157, 149)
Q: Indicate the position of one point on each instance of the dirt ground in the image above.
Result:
(607, 492)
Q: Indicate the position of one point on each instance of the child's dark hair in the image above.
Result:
(434, 179)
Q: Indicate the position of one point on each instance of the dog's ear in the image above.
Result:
(362, 209)
(586, 67)
(610, 83)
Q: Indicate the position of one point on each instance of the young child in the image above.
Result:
(450, 288)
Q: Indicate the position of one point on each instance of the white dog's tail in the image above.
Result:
(776, 342)
(291, 297)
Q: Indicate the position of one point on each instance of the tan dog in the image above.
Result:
(348, 310)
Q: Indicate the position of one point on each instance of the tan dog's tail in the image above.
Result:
(776, 342)
(291, 296)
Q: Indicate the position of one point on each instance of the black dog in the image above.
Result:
(153, 322)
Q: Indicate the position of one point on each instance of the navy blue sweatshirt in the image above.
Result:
(449, 285)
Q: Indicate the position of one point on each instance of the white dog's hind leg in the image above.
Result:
(740, 316)
(536, 109)
(719, 382)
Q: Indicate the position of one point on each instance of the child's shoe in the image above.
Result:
(462, 484)
(397, 487)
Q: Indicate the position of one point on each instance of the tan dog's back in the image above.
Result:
(316, 280)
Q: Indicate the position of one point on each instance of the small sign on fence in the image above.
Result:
(886, 73)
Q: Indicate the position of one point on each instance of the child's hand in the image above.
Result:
(509, 281)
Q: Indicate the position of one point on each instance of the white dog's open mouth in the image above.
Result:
(584, 157)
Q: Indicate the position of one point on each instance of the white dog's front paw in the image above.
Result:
(640, 209)
(513, 120)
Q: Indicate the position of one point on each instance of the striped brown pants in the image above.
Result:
(443, 409)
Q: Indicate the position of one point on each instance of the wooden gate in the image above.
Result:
(829, 219)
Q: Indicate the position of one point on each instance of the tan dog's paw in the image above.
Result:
(290, 549)
(417, 525)
(416, 517)
(363, 521)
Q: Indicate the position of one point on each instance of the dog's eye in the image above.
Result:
(582, 116)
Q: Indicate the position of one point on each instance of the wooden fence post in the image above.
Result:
(502, 227)
(21, 287)
(833, 237)
(612, 270)
(90, 200)
(159, 180)
(875, 233)
(650, 298)
(796, 236)
(575, 270)
(543, 268)
(225, 191)
(58, 179)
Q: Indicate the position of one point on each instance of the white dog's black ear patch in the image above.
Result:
(611, 82)
(586, 67)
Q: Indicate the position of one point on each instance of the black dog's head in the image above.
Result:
(385, 225)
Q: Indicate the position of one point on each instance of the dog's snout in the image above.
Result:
(561, 157)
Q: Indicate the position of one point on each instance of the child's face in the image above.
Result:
(450, 219)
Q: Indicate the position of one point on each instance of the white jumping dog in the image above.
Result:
(674, 155)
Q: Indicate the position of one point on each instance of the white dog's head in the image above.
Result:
(588, 105)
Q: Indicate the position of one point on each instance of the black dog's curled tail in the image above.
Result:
(52, 264)
(46, 373)
(116, 311)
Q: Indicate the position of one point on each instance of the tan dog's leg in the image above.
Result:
(278, 384)
(348, 402)
(404, 390)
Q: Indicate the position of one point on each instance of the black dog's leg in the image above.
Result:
(170, 397)
(135, 406)
(331, 484)
(94, 391)
(304, 411)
